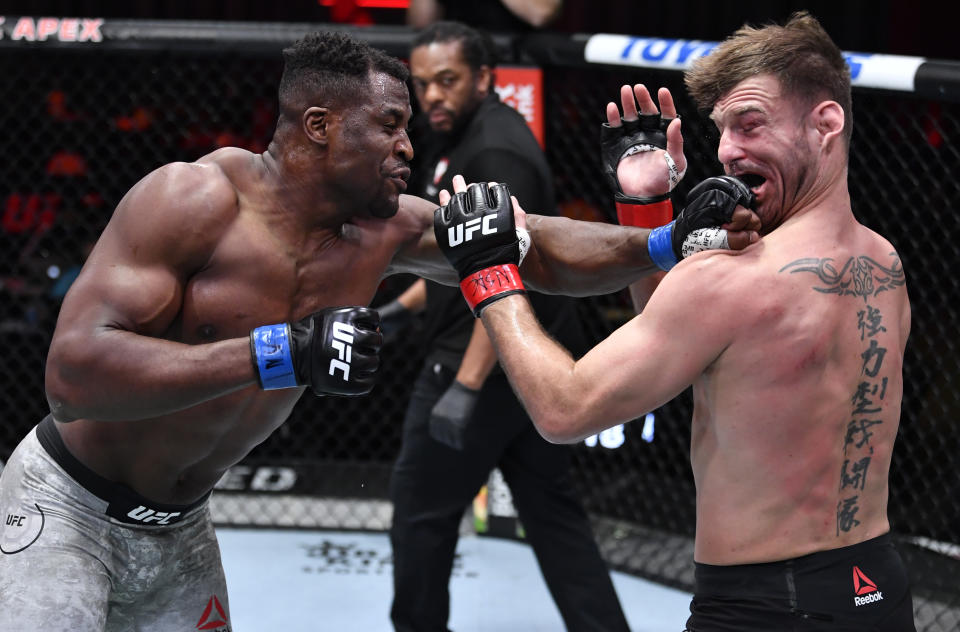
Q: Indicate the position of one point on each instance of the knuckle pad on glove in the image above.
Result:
(477, 197)
(459, 204)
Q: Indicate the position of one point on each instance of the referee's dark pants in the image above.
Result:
(432, 485)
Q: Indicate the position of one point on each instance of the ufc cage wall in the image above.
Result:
(91, 106)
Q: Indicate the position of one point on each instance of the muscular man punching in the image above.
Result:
(219, 292)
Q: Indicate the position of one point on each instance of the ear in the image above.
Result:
(315, 123)
(484, 80)
(827, 117)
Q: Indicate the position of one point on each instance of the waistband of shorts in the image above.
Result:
(123, 503)
(771, 575)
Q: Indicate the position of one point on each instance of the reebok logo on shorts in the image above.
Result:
(213, 617)
(866, 591)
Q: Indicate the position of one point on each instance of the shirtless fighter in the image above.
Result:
(219, 292)
(794, 347)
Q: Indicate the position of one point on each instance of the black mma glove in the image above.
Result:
(646, 133)
(451, 414)
(709, 204)
(334, 351)
(476, 233)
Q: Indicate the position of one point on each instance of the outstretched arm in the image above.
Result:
(642, 365)
(662, 350)
(567, 256)
(643, 156)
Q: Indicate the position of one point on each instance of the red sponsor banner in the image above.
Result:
(521, 87)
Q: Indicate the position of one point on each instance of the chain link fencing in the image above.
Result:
(82, 126)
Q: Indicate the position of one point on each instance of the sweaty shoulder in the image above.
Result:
(202, 190)
(721, 281)
(177, 211)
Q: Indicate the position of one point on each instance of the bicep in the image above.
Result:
(122, 293)
(159, 235)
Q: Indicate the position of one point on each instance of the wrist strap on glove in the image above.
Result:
(485, 286)
(272, 356)
(646, 133)
(660, 247)
(644, 212)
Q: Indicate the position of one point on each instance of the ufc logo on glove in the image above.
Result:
(487, 263)
(455, 234)
(343, 343)
(311, 351)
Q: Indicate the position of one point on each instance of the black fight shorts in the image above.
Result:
(862, 587)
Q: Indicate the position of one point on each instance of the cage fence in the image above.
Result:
(83, 124)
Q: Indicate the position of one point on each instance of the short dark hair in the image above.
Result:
(477, 46)
(332, 67)
(800, 54)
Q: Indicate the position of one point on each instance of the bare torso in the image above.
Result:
(258, 272)
(795, 422)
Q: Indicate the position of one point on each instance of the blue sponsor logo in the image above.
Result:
(682, 52)
(660, 51)
(866, 69)
(855, 61)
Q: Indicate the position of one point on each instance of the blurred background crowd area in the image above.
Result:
(902, 27)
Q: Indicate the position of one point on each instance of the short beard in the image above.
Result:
(461, 120)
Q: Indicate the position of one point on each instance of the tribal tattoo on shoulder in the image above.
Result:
(866, 278)
(859, 276)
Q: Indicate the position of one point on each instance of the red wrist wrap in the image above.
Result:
(645, 215)
(480, 287)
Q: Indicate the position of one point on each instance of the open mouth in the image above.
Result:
(752, 180)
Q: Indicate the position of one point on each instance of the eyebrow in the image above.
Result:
(740, 111)
(439, 73)
(394, 111)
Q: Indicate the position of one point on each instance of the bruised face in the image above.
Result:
(765, 140)
(371, 148)
(447, 90)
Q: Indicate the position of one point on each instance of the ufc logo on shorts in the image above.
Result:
(343, 343)
(146, 516)
(455, 234)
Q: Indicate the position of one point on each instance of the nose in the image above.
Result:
(432, 93)
(404, 146)
(729, 150)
